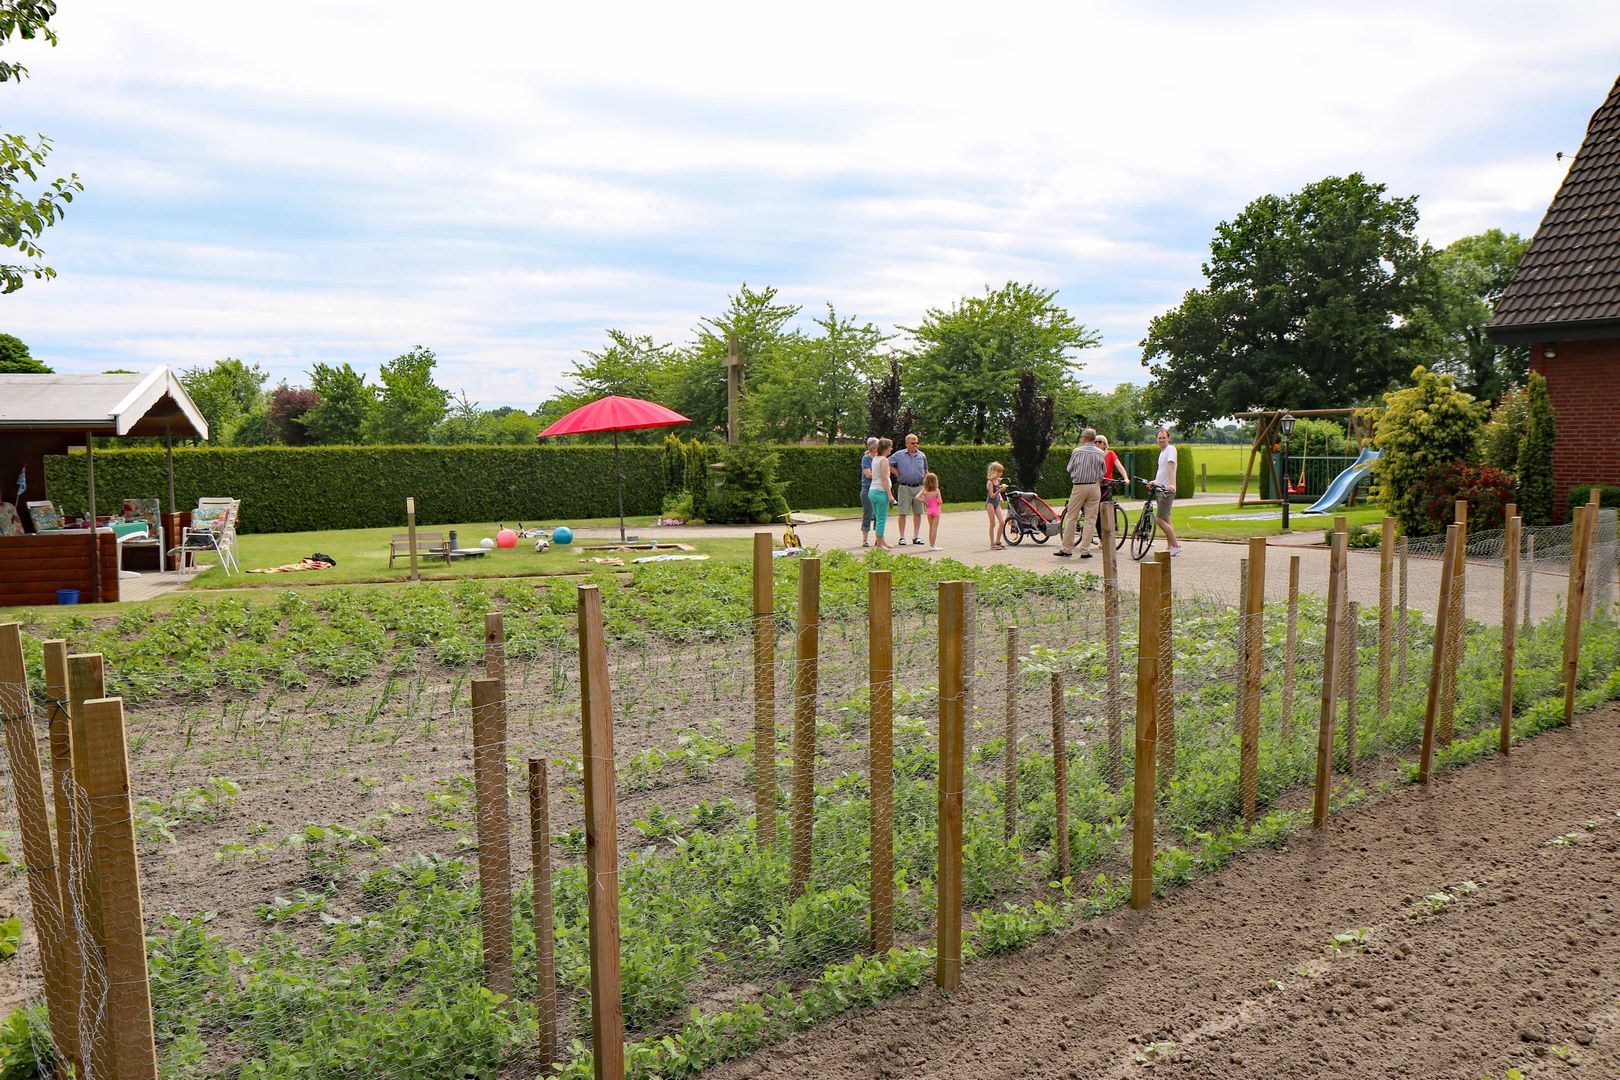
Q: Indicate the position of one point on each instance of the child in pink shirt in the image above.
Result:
(933, 501)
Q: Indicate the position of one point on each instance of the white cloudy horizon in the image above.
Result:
(343, 181)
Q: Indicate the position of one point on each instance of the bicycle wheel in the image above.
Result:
(1011, 533)
(1142, 538)
(1040, 535)
(1122, 526)
(790, 539)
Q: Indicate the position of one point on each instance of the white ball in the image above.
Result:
(486, 543)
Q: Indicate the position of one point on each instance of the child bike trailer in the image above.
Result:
(1028, 515)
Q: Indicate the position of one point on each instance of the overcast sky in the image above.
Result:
(298, 182)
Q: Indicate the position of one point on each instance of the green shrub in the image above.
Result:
(1535, 456)
(1487, 490)
(1578, 495)
(1507, 429)
(1428, 424)
(747, 491)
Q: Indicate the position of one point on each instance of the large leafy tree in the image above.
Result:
(285, 412)
(631, 365)
(809, 385)
(346, 401)
(1033, 418)
(1471, 275)
(696, 377)
(28, 205)
(410, 404)
(1425, 426)
(1124, 414)
(970, 356)
(1309, 303)
(225, 392)
(15, 358)
(883, 404)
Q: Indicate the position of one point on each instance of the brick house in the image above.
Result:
(1564, 303)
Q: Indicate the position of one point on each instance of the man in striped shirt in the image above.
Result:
(1087, 465)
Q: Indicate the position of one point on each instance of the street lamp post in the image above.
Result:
(1287, 424)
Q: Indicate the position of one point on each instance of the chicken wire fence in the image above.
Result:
(316, 858)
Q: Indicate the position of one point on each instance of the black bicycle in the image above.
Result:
(1142, 535)
(1122, 518)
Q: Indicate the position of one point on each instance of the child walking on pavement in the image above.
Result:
(933, 501)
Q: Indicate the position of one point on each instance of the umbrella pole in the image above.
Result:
(619, 473)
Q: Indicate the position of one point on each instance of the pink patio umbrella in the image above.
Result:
(614, 413)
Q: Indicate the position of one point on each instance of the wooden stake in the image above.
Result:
(1386, 613)
(805, 682)
(1009, 762)
(764, 692)
(1291, 655)
(494, 646)
(601, 840)
(1203, 476)
(1454, 646)
(1352, 694)
(86, 681)
(130, 1051)
(545, 961)
(1165, 707)
(1254, 618)
(39, 855)
(1241, 687)
(1574, 608)
(1529, 569)
(72, 828)
(410, 527)
(1401, 629)
(1330, 682)
(494, 831)
(948, 883)
(1437, 667)
(1060, 777)
(1510, 626)
(880, 684)
(1114, 704)
(1147, 695)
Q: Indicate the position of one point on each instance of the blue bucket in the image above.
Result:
(67, 596)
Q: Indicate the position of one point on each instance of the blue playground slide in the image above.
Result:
(1339, 491)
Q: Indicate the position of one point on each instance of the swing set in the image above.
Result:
(1268, 432)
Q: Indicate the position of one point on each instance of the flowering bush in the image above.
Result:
(1487, 490)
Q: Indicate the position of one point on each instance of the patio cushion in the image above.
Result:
(10, 523)
(46, 517)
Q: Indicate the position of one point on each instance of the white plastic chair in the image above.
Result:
(217, 533)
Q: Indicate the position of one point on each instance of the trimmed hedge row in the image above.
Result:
(293, 489)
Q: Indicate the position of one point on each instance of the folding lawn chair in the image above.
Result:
(213, 528)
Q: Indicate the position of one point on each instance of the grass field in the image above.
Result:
(1225, 464)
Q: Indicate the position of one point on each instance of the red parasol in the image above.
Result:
(614, 413)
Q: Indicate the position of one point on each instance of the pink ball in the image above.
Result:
(506, 538)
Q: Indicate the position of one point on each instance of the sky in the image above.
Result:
(340, 181)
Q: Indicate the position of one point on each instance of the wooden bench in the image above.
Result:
(428, 546)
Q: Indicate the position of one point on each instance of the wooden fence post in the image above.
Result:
(601, 839)
(1529, 569)
(806, 679)
(1574, 608)
(1009, 764)
(1116, 749)
(1352, 692)
(545, 960)
(1437, 667)
(410, 527)
(1060, 777)
(1254, 635)
(1290, 656)
(1455, 642)
(764, 691)
(1241, 695)
(1165, 674)
(1330, 682)
(1203, 476)
(1147, 694)
(86, 681)
(880, 692)
(495, 647)
(72, 831)
(948, 882)
(494, 831)
(1386, 613)
(1401, 628)
(130, 1051)
(39, 854)
(1510, 626)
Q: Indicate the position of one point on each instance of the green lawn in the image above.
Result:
(1225, 465)
(1193, 520)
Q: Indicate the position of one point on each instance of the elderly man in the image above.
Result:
(866, 487)
(910, 466)
(1087, 466)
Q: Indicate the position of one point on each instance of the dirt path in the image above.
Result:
(1231, 977)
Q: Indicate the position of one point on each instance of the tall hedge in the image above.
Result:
(292, 489)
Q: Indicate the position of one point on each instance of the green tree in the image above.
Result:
(1307, 304)
(1472, 273)
(1428, 424)
(969, 357)
(1507, 429)
(284, 414)
(25, 215)
(632, 365)
(224, 391)
(1124, 414)
(808, 385)
(346, 402)
(410, 405)
(696, 377)
(15, 359)
(1535, 455)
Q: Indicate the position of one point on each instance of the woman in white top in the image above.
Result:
(881, 495)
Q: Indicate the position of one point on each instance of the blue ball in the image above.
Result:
(562, 534)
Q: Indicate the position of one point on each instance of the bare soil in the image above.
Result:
(1233, 976)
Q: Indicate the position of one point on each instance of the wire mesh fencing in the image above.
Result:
(372, 835)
